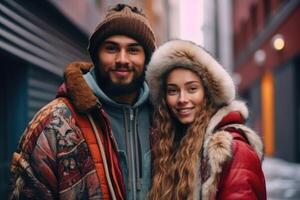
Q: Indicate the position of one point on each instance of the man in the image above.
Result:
(92, 141)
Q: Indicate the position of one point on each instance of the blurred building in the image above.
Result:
(217, 30)
(36, 42)
(207, 23)
(267, 58)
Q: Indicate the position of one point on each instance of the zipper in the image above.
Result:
(137, 152)
(132, 154)
(127, 149)
(131, 115)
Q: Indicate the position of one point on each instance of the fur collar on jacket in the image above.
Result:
(76, 88)
(235, 106)
(217, 150)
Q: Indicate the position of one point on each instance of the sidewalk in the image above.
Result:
(282, 179)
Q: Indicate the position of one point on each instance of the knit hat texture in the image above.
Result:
(123, 20)
(186, 54)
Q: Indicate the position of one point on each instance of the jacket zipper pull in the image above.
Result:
(131, 114)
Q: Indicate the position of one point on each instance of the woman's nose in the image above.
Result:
(182, 97)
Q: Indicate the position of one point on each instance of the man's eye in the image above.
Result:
(111, 48)
(133, 50)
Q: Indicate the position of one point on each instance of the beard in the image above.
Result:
(111, 88)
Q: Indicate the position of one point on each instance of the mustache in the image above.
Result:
(123, 68)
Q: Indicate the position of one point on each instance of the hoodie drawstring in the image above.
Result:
(109, 182)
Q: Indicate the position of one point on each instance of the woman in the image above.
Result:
(201, 147)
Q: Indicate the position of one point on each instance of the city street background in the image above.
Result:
(282, 179)
(257, 41)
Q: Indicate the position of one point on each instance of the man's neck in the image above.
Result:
(129, 99)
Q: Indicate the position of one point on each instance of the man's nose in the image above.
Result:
(122, 57)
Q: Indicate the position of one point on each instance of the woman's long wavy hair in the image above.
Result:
(177, 152)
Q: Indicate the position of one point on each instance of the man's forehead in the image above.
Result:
(122, 40)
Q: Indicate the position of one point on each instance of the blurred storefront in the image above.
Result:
(36, 42)
(267, 59)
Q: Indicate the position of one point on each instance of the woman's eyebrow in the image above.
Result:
(187, 83)
(191, 82)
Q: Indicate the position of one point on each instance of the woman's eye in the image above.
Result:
(171, 91)
(192, 89)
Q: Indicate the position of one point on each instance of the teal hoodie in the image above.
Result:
(131, 130)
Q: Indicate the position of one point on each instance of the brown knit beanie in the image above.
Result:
(123, 20)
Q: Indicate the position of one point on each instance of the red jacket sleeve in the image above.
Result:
(242, 177)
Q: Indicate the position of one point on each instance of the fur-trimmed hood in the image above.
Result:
(180, 53)
(77, 89)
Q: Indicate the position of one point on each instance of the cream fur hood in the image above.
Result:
(180, 53)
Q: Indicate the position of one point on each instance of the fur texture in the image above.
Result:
(252, 137)
(180, 53)
(239, 106)
(80, 93)
(217, 149)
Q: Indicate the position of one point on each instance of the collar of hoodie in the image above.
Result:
(90, 78)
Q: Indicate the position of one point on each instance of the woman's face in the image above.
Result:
(184, 94)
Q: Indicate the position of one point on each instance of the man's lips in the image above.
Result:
(121, 72)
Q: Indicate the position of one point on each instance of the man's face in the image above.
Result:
(121, 64)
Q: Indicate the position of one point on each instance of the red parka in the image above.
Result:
(231, 164)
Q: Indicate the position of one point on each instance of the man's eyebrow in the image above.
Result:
(110, 42)
(133, 44)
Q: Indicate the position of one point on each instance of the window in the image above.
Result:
(253, 15)
(267, 9)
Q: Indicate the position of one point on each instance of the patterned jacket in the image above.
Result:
(67, 151)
